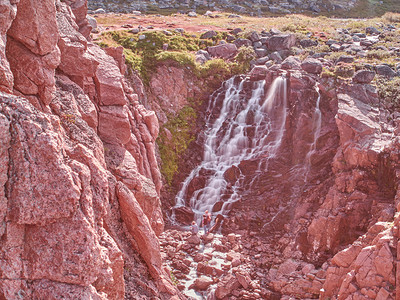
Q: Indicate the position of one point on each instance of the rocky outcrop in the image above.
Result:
(80, 186)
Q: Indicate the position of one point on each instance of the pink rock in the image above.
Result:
(244, 280)
(114, 127)
(226, 286)
(108, 79)
(118, 54)
(34, 26)
(33, 74)
(202, 283)
(138, 225)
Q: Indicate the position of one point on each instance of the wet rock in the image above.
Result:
(258, 73)
(194, 239)
(184, 215)
(202, 283)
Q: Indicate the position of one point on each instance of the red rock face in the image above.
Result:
(9, 12)
(79, 181)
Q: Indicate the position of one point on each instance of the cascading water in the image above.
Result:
(316, 129)
(242, 131)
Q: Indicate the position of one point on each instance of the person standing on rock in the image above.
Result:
(206, 221)
(194, 229)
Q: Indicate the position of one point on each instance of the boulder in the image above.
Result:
(228, 50)
(306, 43)
(209, 34)
(345, 59)
(281, 42)
(364, 76)
(226, 286)
(385, 70)
(184, 215)
(202, 283)
(194, 239)
(257, 73)
(312, 65)
(242, 42)
(291, 62)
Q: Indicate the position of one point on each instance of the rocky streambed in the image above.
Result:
(240, 265)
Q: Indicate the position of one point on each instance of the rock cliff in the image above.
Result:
(80, 187)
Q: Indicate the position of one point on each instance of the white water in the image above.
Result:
(316, 129)
(242, 131)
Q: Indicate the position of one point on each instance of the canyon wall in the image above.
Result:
(80, 187)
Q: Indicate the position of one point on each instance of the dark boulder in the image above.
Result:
(364, 76)
(281, 42)
(312, 65)
(385, 70)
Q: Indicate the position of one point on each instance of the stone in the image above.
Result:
(383, 294)
(242, 42)
(364, 76)
(291, 62)
(228, 50)
(281, 42)
(385, 70)
(209, 34)
(276, 57)
(114, 126)
(345, 59)
(202, 283)
(184, 215)
(372, 30)
(226, 286)
(306, 43)
(194, 239)
(244, 280)
(312, 65)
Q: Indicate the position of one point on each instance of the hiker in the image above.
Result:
(206, 221)
(194, 229)
(218, 222)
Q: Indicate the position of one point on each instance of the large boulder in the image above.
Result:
(385, 70)
(364, 76)
(312, 65)
(281, 42)
(223, 51)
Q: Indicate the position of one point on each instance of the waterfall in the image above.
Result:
(316, 129)
(247, 128)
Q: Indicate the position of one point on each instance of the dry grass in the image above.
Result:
(294, 23)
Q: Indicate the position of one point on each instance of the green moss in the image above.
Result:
(174, 138)
(182, 58)
(344, 70)
(389, 92)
